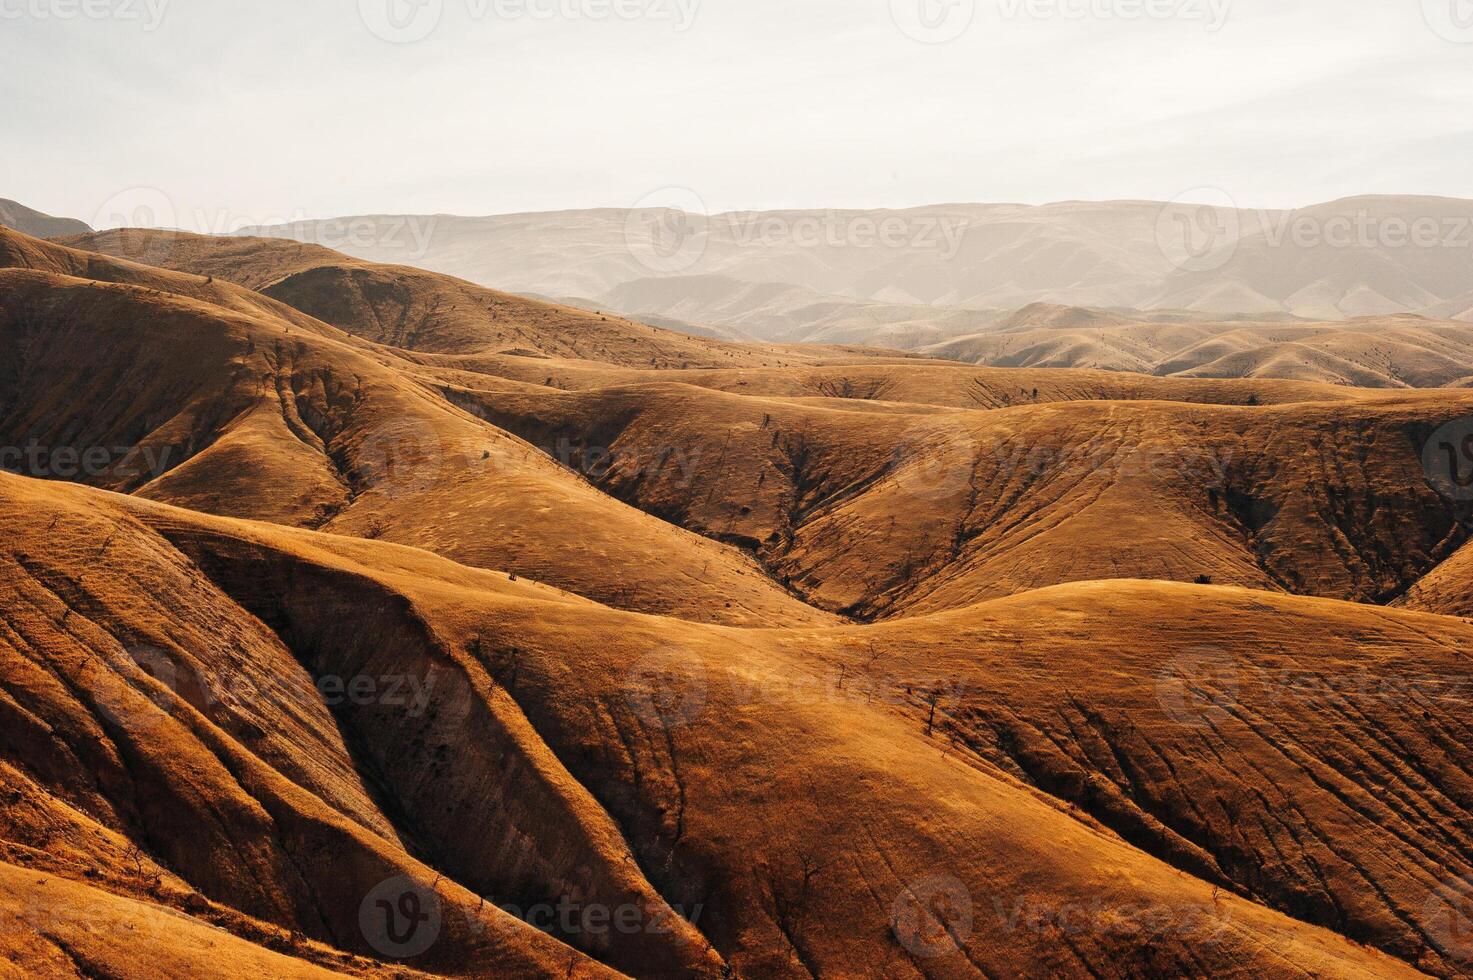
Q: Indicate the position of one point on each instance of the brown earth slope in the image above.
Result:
(782, 805)
(878, 509)
(635, 695)
(162, 739)
(859, 487)
(1447, 589)
(146, 392)
(19, 251)
(914, 383)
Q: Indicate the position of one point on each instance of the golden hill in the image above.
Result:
(182, 666)
(18, 251)
(342, 634)
(236, 415)
(878, 508)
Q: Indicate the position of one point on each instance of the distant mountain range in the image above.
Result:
(1370, 292)
(923, 276)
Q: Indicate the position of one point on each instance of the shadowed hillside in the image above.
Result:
(878, 508)
(718, 786)
(341, 635)
(237, 415)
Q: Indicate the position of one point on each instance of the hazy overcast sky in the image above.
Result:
(250, 111)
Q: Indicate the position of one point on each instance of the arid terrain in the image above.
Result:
(357, 619)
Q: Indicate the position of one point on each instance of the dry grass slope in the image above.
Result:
(815, 663)
(720, 786)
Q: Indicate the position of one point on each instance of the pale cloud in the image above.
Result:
(248, 113)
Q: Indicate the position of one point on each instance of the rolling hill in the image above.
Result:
(357, 620)
(1401, 351)
(246, 416)
(224, 742)
(874, 508)
(31, 222)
